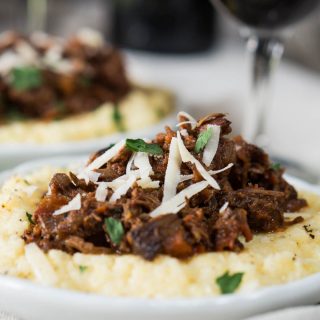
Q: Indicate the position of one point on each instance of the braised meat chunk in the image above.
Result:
(184, 193)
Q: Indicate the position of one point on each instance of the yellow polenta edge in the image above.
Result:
(267, 260)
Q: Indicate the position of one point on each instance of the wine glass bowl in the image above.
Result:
(263, 23)
(267, 15)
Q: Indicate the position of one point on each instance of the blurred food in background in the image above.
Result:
(191, 25)
(82, 79)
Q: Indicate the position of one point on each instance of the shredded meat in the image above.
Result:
(229, 226)
(254, 195)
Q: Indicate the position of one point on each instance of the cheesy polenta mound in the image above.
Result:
(271, 258)
(141, 108)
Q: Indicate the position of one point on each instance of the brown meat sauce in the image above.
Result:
(98, 76)
(257, 194)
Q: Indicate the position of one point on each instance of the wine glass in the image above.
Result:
(36, 15)
(264, 23)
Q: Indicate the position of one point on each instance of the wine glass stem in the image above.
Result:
(36, 15)
(265, 54)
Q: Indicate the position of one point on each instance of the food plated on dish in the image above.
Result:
(199, 213)
(55, 90)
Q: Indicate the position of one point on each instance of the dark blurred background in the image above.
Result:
(164, 26)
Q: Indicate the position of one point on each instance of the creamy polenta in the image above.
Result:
(141, 108)
(268, 259)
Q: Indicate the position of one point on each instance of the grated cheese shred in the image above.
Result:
(186, 156)
(74, 204)
(176, 203)
(172, 176)
(211, 147)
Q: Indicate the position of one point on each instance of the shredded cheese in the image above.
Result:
(184, 122)
(184, 132)
(49, 192)
(26, 52)
(141, 161)
(148, 184)
(176, 203)
(224, 207)
(74, 204)
(212, 145)
(191, 119)
(90, 37)
(186, 156)
(130, 162)
(123, 188)
(101, 191)
(211, 172)
(172, 176)
(8, 61)
(89, 176)
(116, 183)
(221, 170)
(105, 157)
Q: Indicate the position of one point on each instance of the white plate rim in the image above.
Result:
(308, 285)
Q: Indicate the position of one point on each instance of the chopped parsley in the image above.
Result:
(13, 114)
(114, 229)
(203, 139)
(229, 283)
(60, 106)
(29, 217)
(275, 166)
(160, 113)
(138, 145)
(82, 268)
(117, 118)
(25, 78)
(109, 146)
(85, 81)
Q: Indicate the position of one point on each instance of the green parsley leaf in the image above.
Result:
(26, 78)
(117, 118)
(29, 217)
(109, 146)
(160, 113)
(275, 166)
(114, 229)
(203, 139)
(229, 283)
(61, 106)
(85, 81)
(138, 145)
(13, 114)
(82, 268)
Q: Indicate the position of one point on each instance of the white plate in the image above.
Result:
(11, 154)
(36, 302)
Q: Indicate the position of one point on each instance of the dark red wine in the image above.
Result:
(269, 14)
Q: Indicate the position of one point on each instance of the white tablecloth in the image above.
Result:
(5, 316)
(308, 313)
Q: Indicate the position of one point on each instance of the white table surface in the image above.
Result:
(219, 81)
